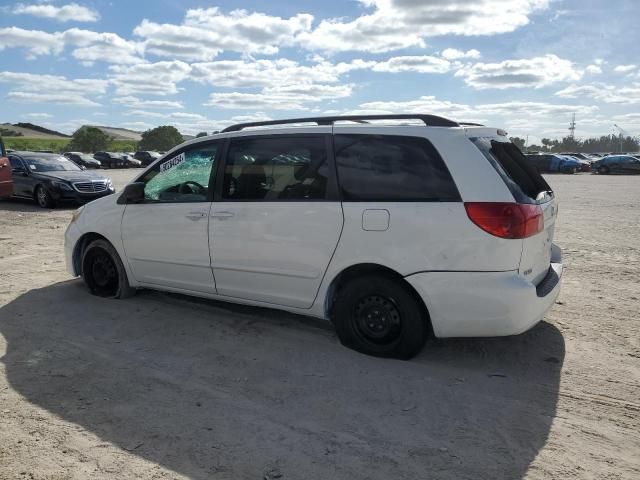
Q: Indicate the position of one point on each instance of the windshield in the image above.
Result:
(86, 158)
(51, 164)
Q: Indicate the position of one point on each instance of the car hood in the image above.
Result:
(82, 176)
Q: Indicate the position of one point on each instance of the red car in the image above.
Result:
(6, 184)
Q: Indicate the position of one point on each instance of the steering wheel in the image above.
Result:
(191, 184)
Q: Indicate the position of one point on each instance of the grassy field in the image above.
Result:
(59, 145)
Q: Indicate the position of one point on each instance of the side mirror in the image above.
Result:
(132, 193)
(20, 171)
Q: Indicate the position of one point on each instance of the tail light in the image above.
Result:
(506, 220)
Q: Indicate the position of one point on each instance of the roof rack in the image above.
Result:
(429, 120)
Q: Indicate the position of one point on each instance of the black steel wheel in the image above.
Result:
(103, 272)
(380, 316)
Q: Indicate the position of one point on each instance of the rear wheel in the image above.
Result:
(603, 170)
(103, 271)
(43, 197)
(379, 316)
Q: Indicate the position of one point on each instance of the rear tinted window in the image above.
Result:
(522, 178)
(392, 168)
(3, 153)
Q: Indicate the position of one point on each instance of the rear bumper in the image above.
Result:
(486, 304)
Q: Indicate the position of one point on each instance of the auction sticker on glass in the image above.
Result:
(174, 162)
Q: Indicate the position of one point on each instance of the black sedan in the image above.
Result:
(82, 159)
(49, 179)
(146, 158)
(110, 160)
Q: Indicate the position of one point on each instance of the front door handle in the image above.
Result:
(196, 215)
(222, 214)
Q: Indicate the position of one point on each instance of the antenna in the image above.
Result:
(572, 127)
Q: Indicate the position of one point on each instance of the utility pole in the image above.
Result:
(572, 127)
(623, 133)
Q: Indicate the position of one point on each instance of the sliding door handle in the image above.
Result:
(222, 214)
(196, 215)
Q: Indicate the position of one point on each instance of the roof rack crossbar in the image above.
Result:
(429, 120)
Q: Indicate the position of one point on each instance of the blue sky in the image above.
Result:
(525, 65)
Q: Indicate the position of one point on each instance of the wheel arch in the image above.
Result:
(81, 244)
(361, 269)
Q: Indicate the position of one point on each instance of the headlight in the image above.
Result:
(76, 214)
(61, 185)
(110, 184)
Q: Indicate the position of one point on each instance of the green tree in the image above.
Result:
(160, 138)
(89, 140)
(518, 142)
(201, 134)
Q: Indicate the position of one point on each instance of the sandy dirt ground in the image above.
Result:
(162, 386)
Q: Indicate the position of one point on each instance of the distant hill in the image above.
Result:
(29, 130)
(119, 133)
(126, 134)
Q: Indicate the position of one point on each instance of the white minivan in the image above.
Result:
(394, 231)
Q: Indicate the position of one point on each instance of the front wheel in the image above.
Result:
(603, 170)
(379, 316)
(103, 271)
(43, 197)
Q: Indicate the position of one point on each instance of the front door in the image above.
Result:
(278, 222)
(6, 187)
(23, 182)
(166, 237)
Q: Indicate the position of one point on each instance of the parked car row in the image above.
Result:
(627, 164)
(112, 159)
(584, 162)
(556, 163)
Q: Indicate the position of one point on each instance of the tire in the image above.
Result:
(603, 170)
(43, 197)
(379, 316)
(103, 271)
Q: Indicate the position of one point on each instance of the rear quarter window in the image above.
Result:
(393, 169)
(522, 178)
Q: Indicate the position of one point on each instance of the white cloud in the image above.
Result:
(89, 46)
(519, 118)
(533, 72)
(160, 78)
(102, 47)
(256, 101)
(34, 41)
(629, 95)
(278, 72)
(205, 33)
(55, 98)
(421, 64)
(396, 24)
(625, 68)
(35, 88)
(593, 69)
(455, 54)
(63, 13)
(38, 116)
(135, 102)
